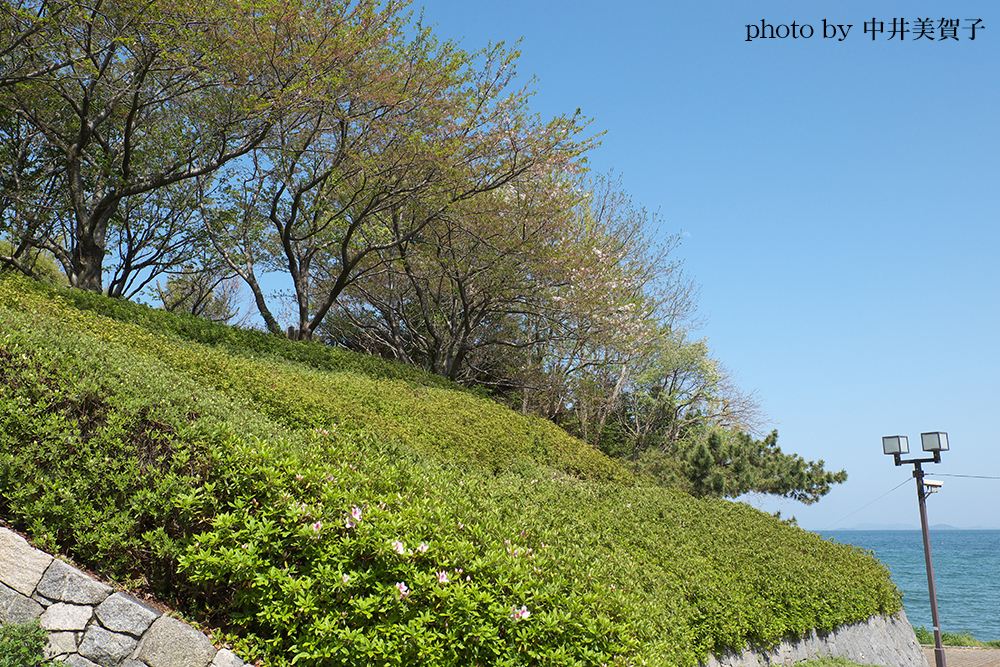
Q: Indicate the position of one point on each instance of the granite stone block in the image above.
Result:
(106, 648)
(123, 613)
(65, 583)
(21, 565)
(17, 608)
(226, 658)
(77, 660)
(62, 616)
(171, 643)
(61, 643)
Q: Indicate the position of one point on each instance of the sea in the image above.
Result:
(966, 575)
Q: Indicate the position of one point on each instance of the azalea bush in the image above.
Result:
(330, 386)
(360, 552)
(350, 555)
(320, 518)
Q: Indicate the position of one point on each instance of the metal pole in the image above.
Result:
(918, 473)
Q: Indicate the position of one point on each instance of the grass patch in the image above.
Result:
(964, 638)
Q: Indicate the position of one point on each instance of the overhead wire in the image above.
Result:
(872, 502)
(944, 474)
(937, 474)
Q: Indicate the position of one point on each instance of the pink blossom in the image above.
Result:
(399, 547)
(349, 523)
(403, 590)
(442, 577)
(423, 547)
(298, 476)
(519, 614)
(318, 526)
(346, 578)
(356, 512)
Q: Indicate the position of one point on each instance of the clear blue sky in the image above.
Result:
(839, 202)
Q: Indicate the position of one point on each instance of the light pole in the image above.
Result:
(935, 442)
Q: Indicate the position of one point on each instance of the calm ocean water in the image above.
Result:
(966, 574)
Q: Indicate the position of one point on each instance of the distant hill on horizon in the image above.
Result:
(904, 526)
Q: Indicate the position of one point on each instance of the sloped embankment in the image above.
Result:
(328, 508)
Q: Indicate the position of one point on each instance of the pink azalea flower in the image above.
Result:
(346, 578)
(423, 547)
(442, 577)
(356, 513)
(318, 526)
(349, 523)
(403, 590)
(298, 476)
(399, 547)
(519, 614)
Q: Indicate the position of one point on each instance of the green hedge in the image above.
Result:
(336, 517)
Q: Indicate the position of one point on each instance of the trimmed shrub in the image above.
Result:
(324, 517)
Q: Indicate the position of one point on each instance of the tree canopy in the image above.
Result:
(398, 184)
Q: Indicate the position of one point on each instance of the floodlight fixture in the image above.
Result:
(934, 442)
(895, 444)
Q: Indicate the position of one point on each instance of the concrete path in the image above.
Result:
(961, 656)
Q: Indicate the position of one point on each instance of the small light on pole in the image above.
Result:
(934, 442)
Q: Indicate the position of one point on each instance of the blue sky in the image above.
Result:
(838, 201)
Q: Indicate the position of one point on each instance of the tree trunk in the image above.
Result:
(90, 249)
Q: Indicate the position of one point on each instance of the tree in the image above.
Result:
(133, 97)
(30, 191)
(730, 465)
(25, 22)
(207, 293)
(423, 128)
(37, 264)
(677, 391)
(522, 289)
(448, 298)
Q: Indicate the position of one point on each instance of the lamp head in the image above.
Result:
(934, 442)
(895, 444)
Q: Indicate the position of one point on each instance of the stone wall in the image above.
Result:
(89, 624)
(885, 641)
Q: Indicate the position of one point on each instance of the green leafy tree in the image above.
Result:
(732, 464)
(676, 391)
(131, 97)
(416, 130)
